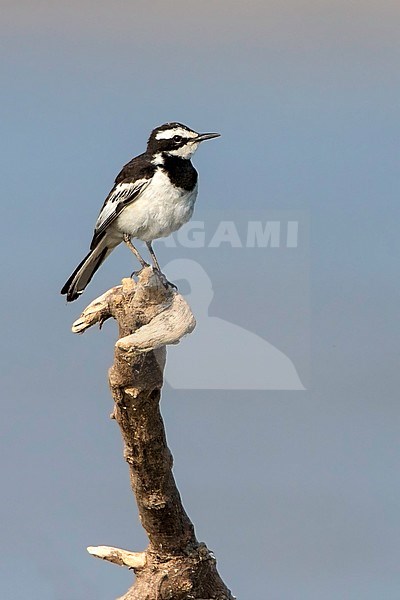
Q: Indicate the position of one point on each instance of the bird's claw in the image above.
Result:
(167, 284)
(137, 273)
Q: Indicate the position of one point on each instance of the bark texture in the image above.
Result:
(175, 566)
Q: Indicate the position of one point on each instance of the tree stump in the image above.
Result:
(175, 566)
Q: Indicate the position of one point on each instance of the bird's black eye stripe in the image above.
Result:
(177, 138)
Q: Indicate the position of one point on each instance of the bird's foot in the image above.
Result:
(137, 273)
(167, 284)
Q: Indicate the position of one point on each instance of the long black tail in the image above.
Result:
(84, 272)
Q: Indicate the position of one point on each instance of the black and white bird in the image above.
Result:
(153, 196)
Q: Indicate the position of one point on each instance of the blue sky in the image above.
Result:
(296, 492)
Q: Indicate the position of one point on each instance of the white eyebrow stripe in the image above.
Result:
(169, 133)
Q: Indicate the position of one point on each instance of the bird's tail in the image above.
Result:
(86, 269)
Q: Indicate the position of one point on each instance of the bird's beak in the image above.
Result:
(206, 136)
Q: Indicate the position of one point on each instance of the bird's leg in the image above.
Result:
(165, 281)
(132, 248)
(153, 256)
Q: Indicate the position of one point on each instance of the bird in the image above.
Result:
(153, 195)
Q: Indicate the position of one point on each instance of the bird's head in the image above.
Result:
(177, 140)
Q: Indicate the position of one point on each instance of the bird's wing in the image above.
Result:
(121, 195)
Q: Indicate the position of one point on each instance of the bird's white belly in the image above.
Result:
(159, 210)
